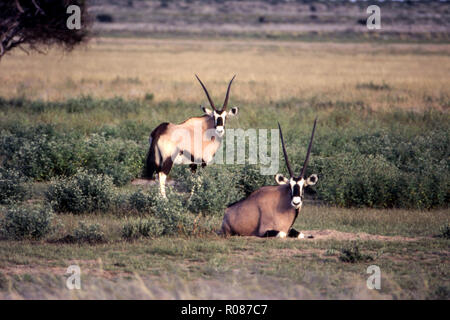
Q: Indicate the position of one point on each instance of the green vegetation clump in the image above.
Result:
(84, 192)
(88, 233)
(173, 215)
(353, 255)
(142, 227)
(212, 189)
(13, 186)
(143, 201)
(26, 222)
(445, 231)
(43, 152)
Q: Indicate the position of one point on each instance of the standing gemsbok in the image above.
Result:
(271, 210)
(194, 141)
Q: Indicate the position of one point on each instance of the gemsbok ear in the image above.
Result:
(280, 179)
(233, 112)
(312, 180)
(206, 110)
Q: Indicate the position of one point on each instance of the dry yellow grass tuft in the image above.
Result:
(411, 76)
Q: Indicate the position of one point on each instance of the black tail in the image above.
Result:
(150, 162)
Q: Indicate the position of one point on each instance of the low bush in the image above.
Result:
(88, 233)
(13, 186)
(84, 192)
(143, 201)
(42, 153)
(357, 181)
(251, 179)
(212, 189)
(142, 227)
(122, 160)
(26, 222)
(173, 214)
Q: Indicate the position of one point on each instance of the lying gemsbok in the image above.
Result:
(271, 210)
(195, 141)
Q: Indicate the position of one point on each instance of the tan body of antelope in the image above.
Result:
(193, 142)
(271, 210)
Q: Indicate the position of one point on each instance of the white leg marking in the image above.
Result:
(281, 234)
(301, 235)
(162, 184)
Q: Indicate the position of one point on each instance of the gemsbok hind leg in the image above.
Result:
(274, 233)
(299, 235)
(162, 176)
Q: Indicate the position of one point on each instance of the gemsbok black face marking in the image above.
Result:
(297, 183)
(178, 143)
(271, 211)
(219, 115)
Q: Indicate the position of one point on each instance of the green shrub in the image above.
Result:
(13, 186)
(251, 179)
(122, 160)
(148, 227)
(354, 180)
(173, 214)
(84, 192)
(143, 201)
(42, 153)
(127, 130)
(26, 222)
(212, 189)
(88, 233)
(42, 156)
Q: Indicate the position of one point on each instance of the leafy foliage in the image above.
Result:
(212, 189)
(26, 222)
(13, 186)
(89, 233)
(84, 192)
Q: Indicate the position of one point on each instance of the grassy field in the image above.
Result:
(383, 129)
(406, 75)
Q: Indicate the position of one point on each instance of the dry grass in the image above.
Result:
(382, 76)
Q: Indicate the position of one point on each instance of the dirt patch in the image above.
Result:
(345, 236)
(88, 267)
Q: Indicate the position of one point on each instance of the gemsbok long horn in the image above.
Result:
(225, 103)
(288, 165)
(207, 94)
(305, 164)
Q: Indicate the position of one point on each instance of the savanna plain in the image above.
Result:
(74, 134)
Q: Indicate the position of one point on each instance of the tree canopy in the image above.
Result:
(39, 24)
